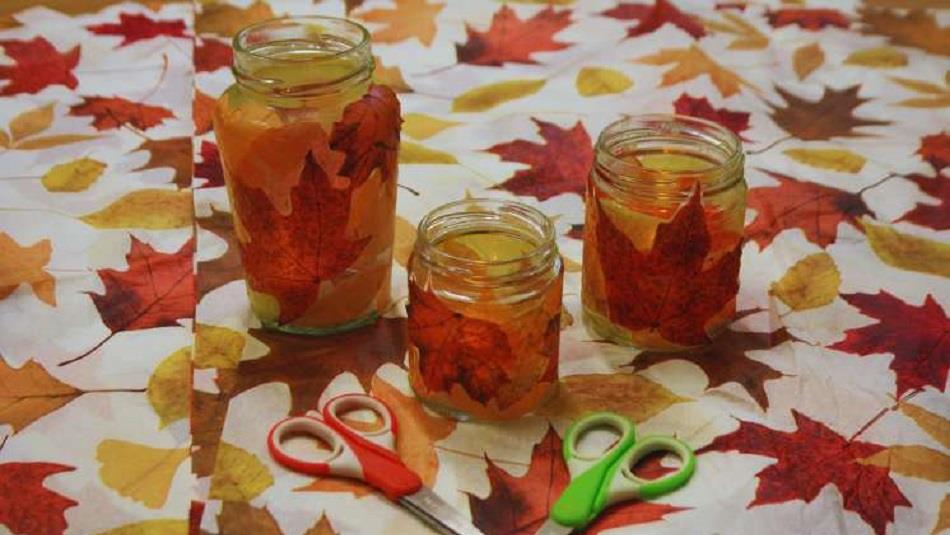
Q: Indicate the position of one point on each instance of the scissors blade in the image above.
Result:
(438, 514)
(550, 527)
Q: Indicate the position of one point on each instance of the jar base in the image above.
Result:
(601, 328)
(463, 416)
(358, 323)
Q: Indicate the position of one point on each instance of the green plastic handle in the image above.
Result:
(586, 495)
(627, 485)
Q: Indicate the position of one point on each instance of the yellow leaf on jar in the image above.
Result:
(843, 161)
(169, 385)
(29, 393)
(933, 424)
(405, 240)
(238, 475)
(914, 461)
(226, 20)
(806, 59)
(415, 153)
(76, 175)
(31, 122)
(488, 96)
(594, 81)
(139, 472)
(811, 283)
(633, 396)
(217, 347)
(882, 57)
(421, 126)
(904, 251)
(147, 209)
(151, 527)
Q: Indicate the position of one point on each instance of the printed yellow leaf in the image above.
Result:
(421, 126)
(689, 63)
(882, 57)
(29, 393)
(594, 81)
(24, 265)
(169, 385)
(152, 527)
(920, 102)
(390, 76)
(217, 347)
(843, 161)
(410, 18)
(935, 96)
(4, 139)
(238, 475)
(631, 395)
(811, 283)
(410, 152)
(748, 37)
(914, 461)
(240, 518)
(921, 86)
(48, 142)
(145, 208)
(488, 96)
(322, 527)
(943, 517)
(806, 59)
(904, 251)
(31, 122)
(139, 472)
(405, 241)
(933, 424)
(226, 20)
(76, 175)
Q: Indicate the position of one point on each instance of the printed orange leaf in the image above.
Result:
(410, 18)
(202, 109)
(322, 527)
(934, 215)
(28, 507)
(227, 267)
(935, 148)
(806, 59)
(559, 165)
(828, 117)
(24, 265)
(212, 54)
(808, 19)
(692, 62)
(36, 66)
(651, 17)
(135, 27)
(815, 209)
(737, 121)
(811, 457)
(390, 77)
(520, 505)
(510, 39)
(226, 20)
(240, 518)
(29, 392)
(209, 168)
(113, 112)
(916, 28)
(174, 153)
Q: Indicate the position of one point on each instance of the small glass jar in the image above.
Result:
(663, 234)
(309, 148)
(484, 310)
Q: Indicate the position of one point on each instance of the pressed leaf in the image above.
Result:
(841, 160)
(415, 153)
(169, 386)
(139, 472)
(174, 153)
(29, 393)
(239, 518)
(238, 475)
(633, 396)
(421, 126)
(217, 347)
(882, 57)
(46, 142)
(914, 461)
(26, 505)
(404, 242)
(488, 96)
(24, 265)
(594, 81)
(151, 527)
(807, 58)
(510, 39)
(410, 18)
(934, 424)
(905, 251)
(226, 20)
(31, 122)
(76, 175)
(146, 209)
(811, 283)
(692, 62)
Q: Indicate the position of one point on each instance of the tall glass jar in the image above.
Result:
(663, 234)
(309, 148)
(484, 309)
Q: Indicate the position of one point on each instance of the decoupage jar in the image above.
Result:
(663, 234)
(309, 148)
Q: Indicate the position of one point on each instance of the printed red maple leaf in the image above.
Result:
(209, 168)
(305, 247)
(737, 121)
(559, 165)
(26, 506)
(510, 39)
(652, 17)
(519, 505)
(815, 209)
(811, 457)
(917, 336)
(935, 148)
(667, 290)
(454, 349)
(809, 19)
(935, 216)
(211, 55)
(113, 112)
(137, 27)
(368, 133)
(37, 65)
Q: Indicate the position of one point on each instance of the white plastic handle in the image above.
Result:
(339, 460)
(384, 436)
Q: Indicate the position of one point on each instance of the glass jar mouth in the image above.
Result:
(719, 145)
(310, 25)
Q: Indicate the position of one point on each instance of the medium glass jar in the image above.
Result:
(484, 309)
(663, 233)
(309, 148)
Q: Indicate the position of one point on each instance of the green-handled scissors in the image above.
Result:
(605, 478)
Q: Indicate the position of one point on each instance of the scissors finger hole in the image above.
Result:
(362, 420)
(308, 443)
(364, 414)
(655, 465)
(592, 442)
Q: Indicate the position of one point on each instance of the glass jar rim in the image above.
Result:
(239, 42)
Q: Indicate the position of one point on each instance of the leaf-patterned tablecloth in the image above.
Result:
(136, 390)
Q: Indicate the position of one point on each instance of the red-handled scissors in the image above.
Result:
(368, 456)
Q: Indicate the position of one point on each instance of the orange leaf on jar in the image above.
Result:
(368, 133)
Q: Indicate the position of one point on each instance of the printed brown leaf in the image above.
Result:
(828, 117)
(227, 267)
(174, 153)
(113, 112)
(24, 265)
(29, 392)
(916, 28)
(241, 518)
(510, 39)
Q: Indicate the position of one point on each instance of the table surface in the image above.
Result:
(136, 390)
